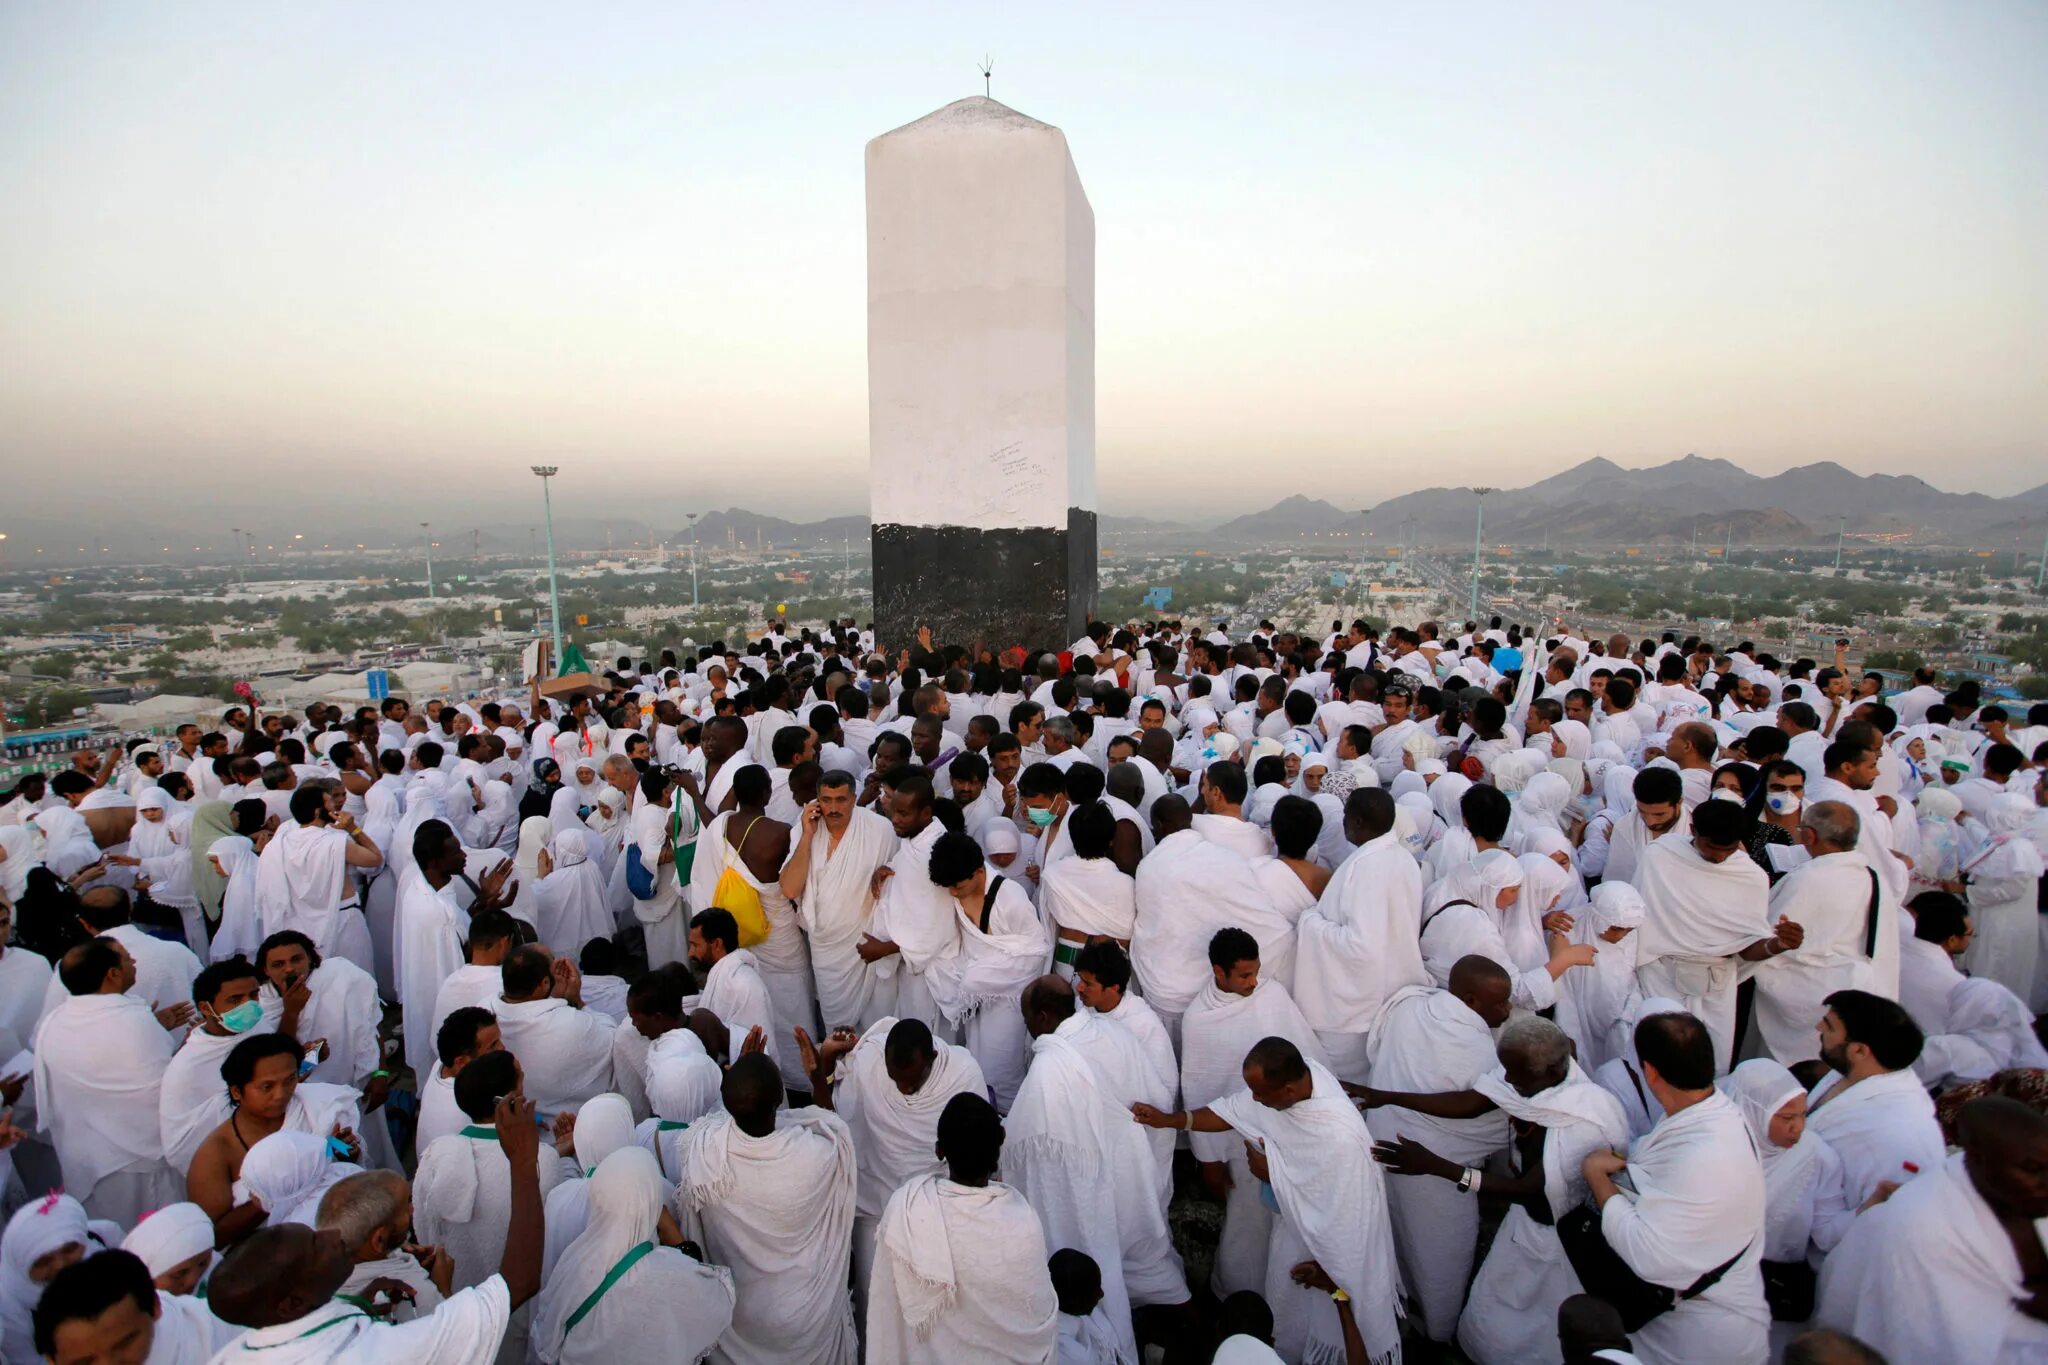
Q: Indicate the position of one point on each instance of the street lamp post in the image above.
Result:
(2040, 569)
(1478, 541)
(693, 557)
(1364, 521)
(546, 472)
(1841, 527)
(428, 535)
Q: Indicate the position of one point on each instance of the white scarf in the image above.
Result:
(1592, 1001)
(287, 1173)
(665, 1306)
(1362, 941)
(992, 968)
(1334, 1196)
(1426, 1041)
(895, 1133)
(1876, 1126)
(299, 883)
(1696, 909)
(1760, 1088)
(1089, 896)
(960, 1275)
(779, 1211)
(1216, 1033)
(569, 903)
(564, 1052)
(98, 1074)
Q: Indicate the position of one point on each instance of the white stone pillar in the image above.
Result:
(981, 380)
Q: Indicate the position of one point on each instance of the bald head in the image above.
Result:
(1171, 815)
(279, 1273)
(1048, 1002)
(752, 1092)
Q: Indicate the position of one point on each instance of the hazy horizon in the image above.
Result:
(327, 261)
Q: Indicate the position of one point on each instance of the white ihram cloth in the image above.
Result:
(960, 1274)
(2005, 881)
(98, 1077)
(431, 927)
(1511, 1312)
(240, 932)
(1427, 1041)
(467, 1329)
(777, 1210)
(919, 918)
(1926, 976)
(1217, 1031)
(1073, 1150)
(1593, 1001)
(1332, 1198)
(33, 1232)
(1146, 1028)
(462, 1201)
(1989, 1030)
(1632, 839)
(1187, 889)
(735, 991)
(894, 1134)
(1697, 916)
(569, 903)
(1090, 896)
(564, 1052)
(301, 881)
(344, 1012)
(1091, 1340)
(1698, 1201)
(469, 986)
(1360, 944)
(164, 971)
(603, 1126)
(977, 989)
(1876, 1126)
(666, 1306)
(1828, 897)
(834, 910)
(781, 958)
(682, 1087)
(1930, 1274)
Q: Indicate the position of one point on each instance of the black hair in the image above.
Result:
(238, 1068)
(1076, 1281)
(1879, 1024)
(524, 969)
(1658, 787)
(1230, 946)
(216, 975)
(1297, 824)
(1680, 1047)
(1106, 962)
(457, 1035)
(1938, 916)
(954, 858)
(717, 925)
(486, 1080)
(85, 1289)
(1487, 811)
(1092, 828)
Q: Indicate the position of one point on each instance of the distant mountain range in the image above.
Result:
(1596, 502)
(1600, 501)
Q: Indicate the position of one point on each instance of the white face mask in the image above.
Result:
(1723, 794)
(1783, 803)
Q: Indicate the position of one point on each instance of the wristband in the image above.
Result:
(1187, 1121)
(1468, 1181)
(1339, 1296)
(380, 1071)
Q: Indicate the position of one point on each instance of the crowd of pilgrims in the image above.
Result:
(1502, 996)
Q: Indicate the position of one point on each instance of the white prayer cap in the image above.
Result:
(1615, 905)
(1265, 748)
(1430, 767)
(611, 797)
(170, 1236)
(152, 798)
(1938, 803)
(287, 1173)
(1000, 836)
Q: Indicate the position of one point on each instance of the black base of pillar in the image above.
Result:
(1032, 587)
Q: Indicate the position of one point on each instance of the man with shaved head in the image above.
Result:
(1084, 1166)
(1951, 1267)
(1310, 1145)
(774, 1202)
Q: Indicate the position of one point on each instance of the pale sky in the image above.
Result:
(302, 256)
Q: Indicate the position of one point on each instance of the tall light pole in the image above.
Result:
(1841, 526)
(2039, 569)
(1478, 541)
(427, 534)
(546, 472)
(1364, 521)
(693, 557)
(238, 552)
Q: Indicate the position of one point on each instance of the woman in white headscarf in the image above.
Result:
(1455, 846)
(1618, 792)
(534, 833)
(608, 823)
(1571, 745)
(287, 1173)
(158, 839)
(1423, 828)
(1472, 909)
(1805, 1204)
(42, 1238)
(2004, 879)
(1593, 1001)
(1541, 806)
(176, 1243)
(603, 1125)
(240, 931)
(1938, 866)
(569, 896)
(497, 824)
(617, 1294)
